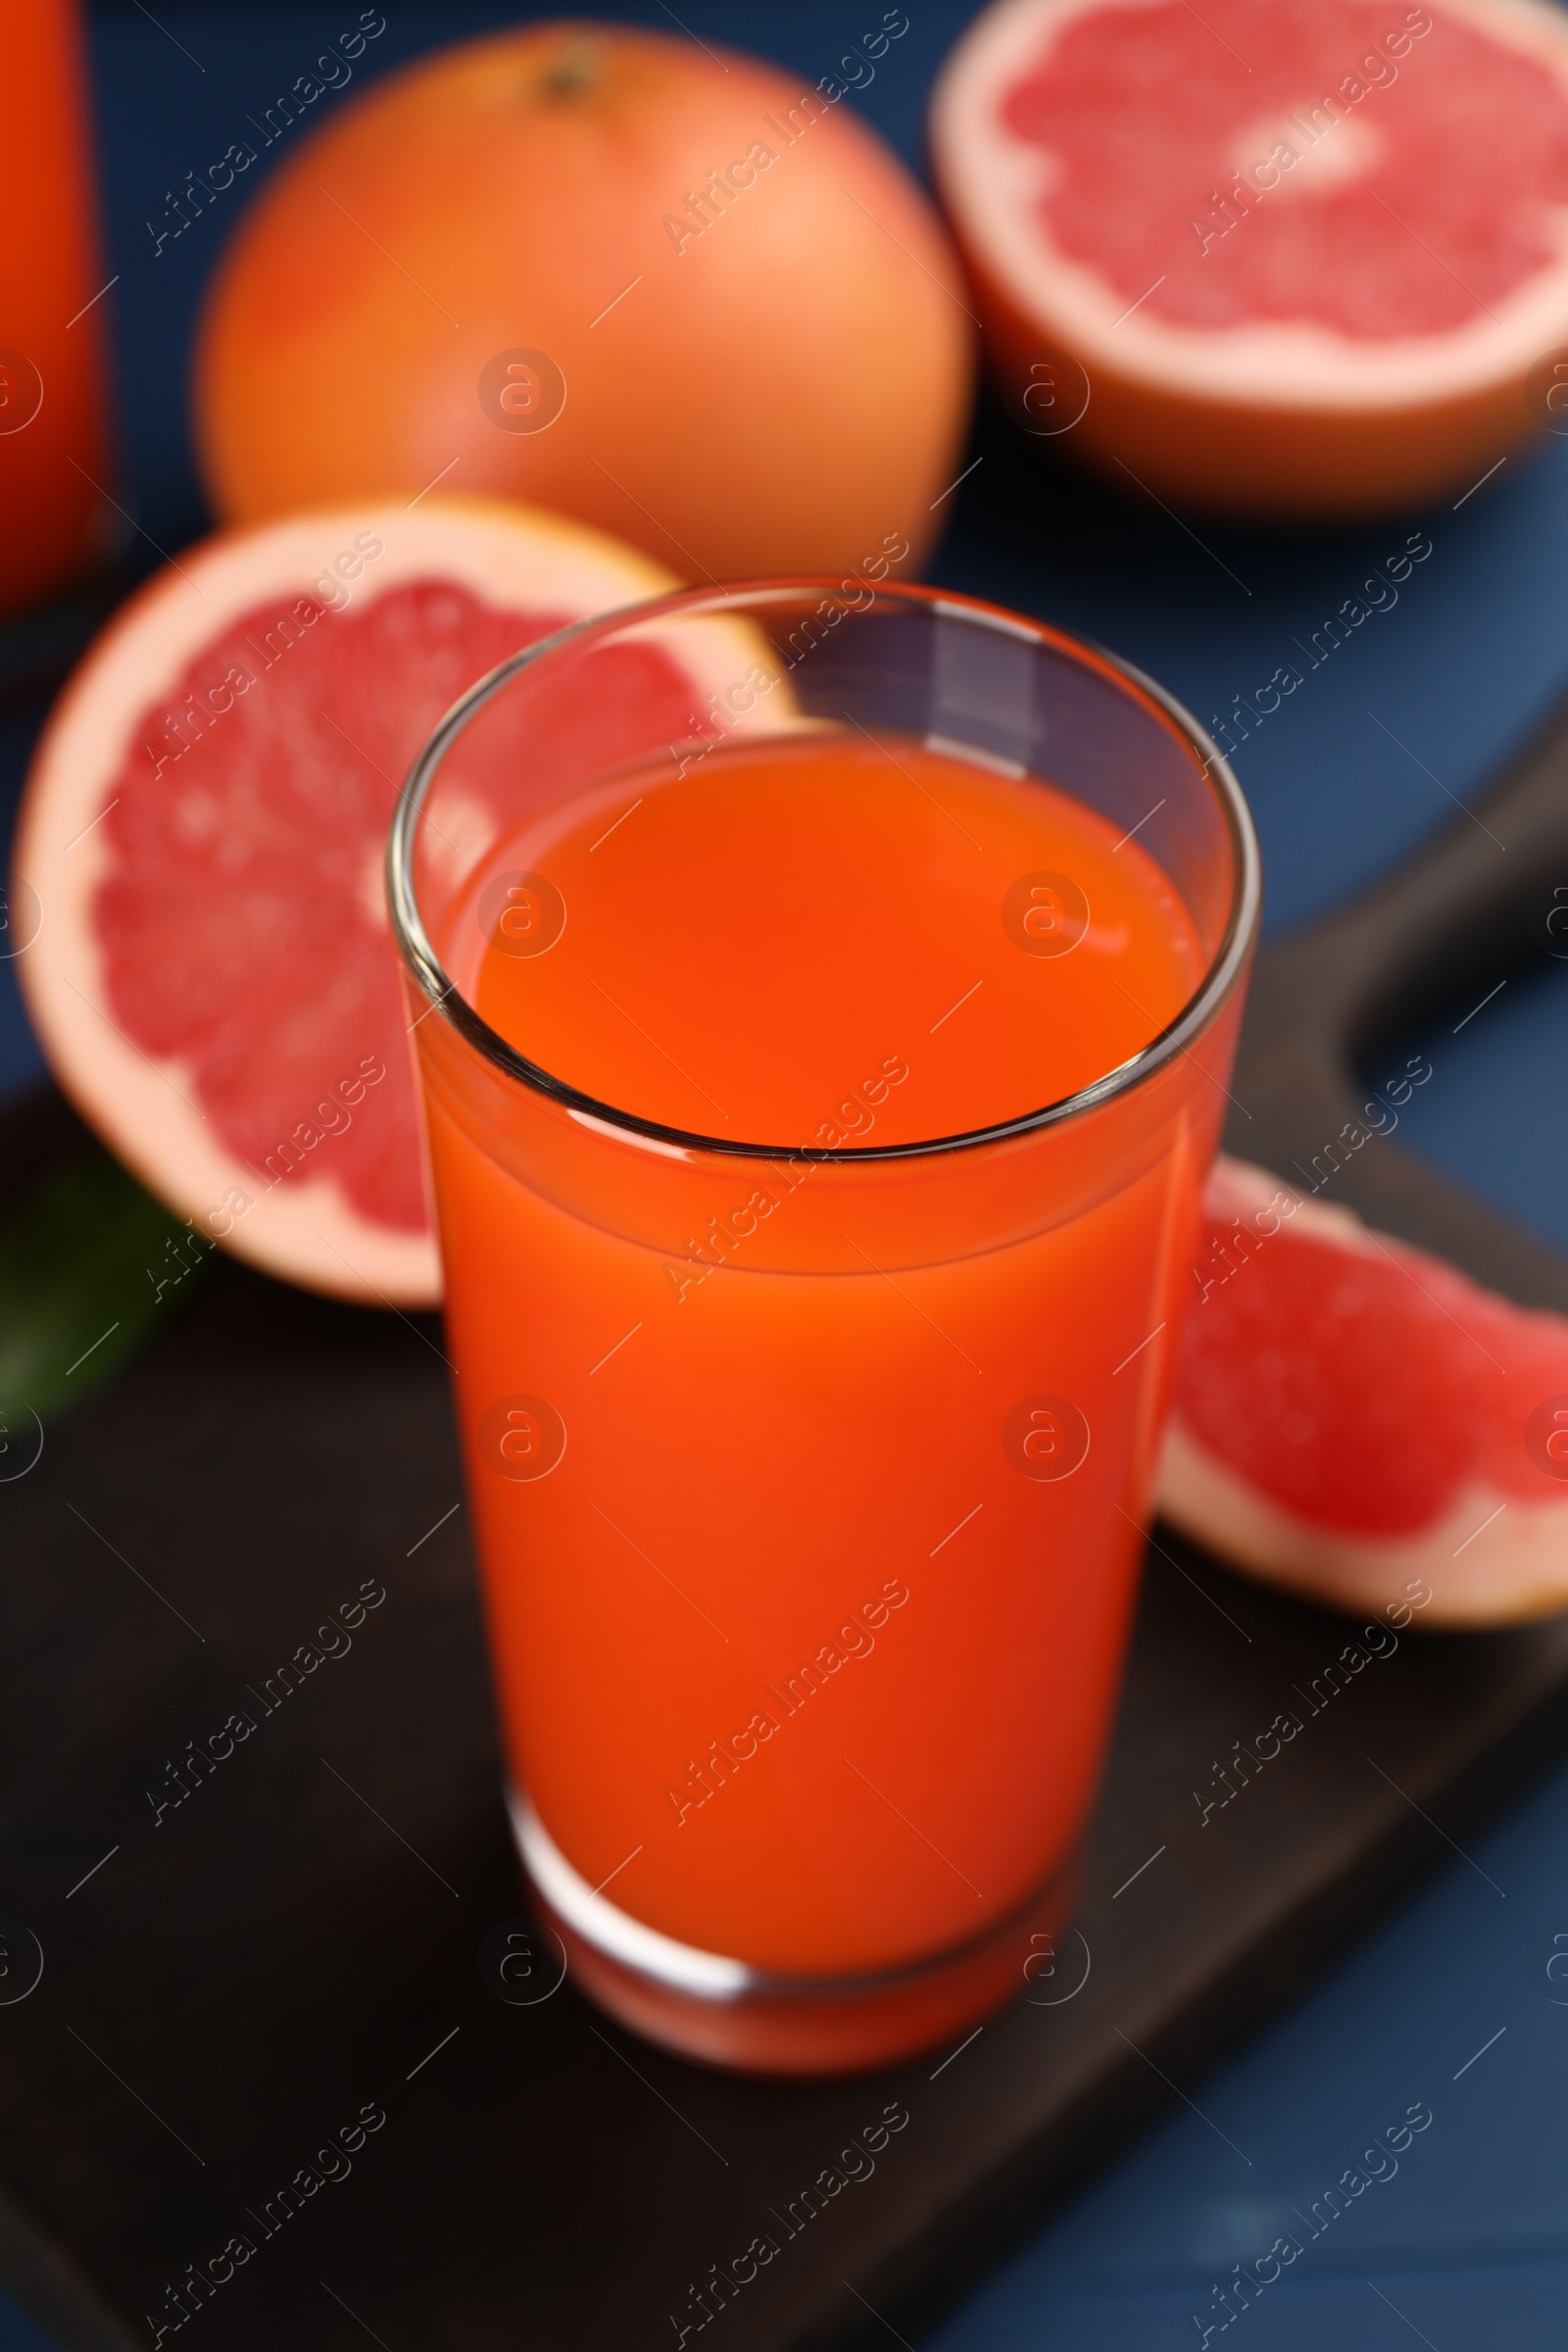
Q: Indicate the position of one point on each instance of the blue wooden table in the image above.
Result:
(1453, 2007)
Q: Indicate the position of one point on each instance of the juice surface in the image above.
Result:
(808, 1569)
(730, 949)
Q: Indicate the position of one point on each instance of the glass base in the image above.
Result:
(726, 2013)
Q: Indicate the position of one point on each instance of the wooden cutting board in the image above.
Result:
(269, 2017)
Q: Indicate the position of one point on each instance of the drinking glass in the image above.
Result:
(809, 1475)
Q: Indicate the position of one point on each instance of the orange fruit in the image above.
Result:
(676, 294)
(201, 850)
(1290, 257)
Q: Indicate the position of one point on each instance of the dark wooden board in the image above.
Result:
(236, 1982)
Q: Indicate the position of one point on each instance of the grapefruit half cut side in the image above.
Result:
(1289, 257)
(214, 977)
(1354, 1420)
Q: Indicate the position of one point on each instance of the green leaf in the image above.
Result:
(91, 1266)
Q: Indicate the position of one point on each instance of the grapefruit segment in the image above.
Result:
(1353, 1414)
(1307, 253)
(214, 977)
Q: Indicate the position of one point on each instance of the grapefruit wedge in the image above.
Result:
(213, 976)
(1354, 1419)
(1290, 257)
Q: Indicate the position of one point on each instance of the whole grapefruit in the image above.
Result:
(1293, 256)
(684, 296)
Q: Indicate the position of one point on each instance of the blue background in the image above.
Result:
(1468, 2244)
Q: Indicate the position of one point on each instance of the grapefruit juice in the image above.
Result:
(818, 1110)
(810, 1547)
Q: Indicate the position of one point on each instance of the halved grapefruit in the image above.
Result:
(1354, 1419)
(1291, 257)
(213, 977)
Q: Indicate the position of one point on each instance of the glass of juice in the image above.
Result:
(53, 366)
(825, 997)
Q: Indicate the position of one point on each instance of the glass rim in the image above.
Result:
(446, 1000)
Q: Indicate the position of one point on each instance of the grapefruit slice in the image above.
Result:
(1294, 257)
(1354, 1419)
(213, 978)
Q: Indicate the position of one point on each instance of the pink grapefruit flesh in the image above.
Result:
(214, 977)
(1352, 1416)
(1290, 256)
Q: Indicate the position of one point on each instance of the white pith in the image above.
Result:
(1515, 1567)
(304, 1229)
(992, 183)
